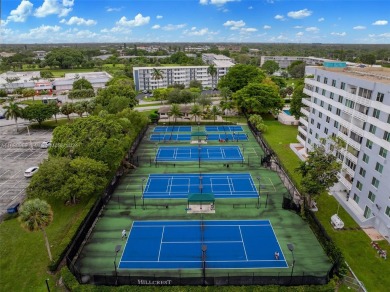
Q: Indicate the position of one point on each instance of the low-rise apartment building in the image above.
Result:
(353, 104)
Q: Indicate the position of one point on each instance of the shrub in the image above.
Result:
(81, 93)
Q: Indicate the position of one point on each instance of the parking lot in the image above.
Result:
(17, 153)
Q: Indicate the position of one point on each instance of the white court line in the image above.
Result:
(205, 241)
(231, 185)
(161, 242)
(223, 154)
(167, 189)
(243, 243)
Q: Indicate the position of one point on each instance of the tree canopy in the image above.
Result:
(64, 58)
(297, 69)
(258, 98)
(241, 75)
(38, 112)
(105, 95)
(82, 83)
(270, 67)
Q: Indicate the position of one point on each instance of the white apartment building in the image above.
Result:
(211, 58)
(353, 104)
(285, 61)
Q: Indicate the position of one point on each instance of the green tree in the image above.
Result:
(174, 96)
(157, 75)
(65, 58)
(270, 67)
(55, 109)
(38, 112)
(195, 111)
(369, 59)
(105, 95)
(215, 112)
(258, 122)
(196, 84)
(258, 98)
(46, 74)
(296, 101)
(13, 111)
(67, 109)
(241, 75)
(319, 171)
(117, 104)
(212, 71)
(204, 100)
(82, 83)
(279, 81)
(36, 215)
(175, 112)
(297, 69)
(79, 108)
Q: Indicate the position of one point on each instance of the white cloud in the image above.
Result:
(270, 1)
(299, 34)
(321, 19)
(267, 27)
(380, 22)
(382, 35)
(234, 25)
(113, 9)
(200, 32)
(50, 7)
(43, 29)
(159, 16)
(216, 2)
(21, 12)
(138, 20)
(250, 7)
(74, 20)
(299, 14)
(339, 33)
(359, 27)
(312, 29)
(248, 29)
(279, 17)
(298, 26)
(156, 26)
(171, 27)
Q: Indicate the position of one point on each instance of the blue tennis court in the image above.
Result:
(179, 186)
(242, 244)
(194, 153)
(223, 128)
(228, 137)
(170, 137)
(173, 129)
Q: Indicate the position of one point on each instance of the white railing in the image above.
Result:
(305, 111)
(304, 121)
(346, 183)
(306, 101)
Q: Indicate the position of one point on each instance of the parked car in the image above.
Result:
(31, 171)
(45, 144)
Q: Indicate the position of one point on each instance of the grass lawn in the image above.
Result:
(355, 244)
(23, 254)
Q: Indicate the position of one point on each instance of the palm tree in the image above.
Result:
(213, 72)
(35, 215)
(175, 111)
(157, 75)
(195, 111)
(215, 112)
(13, 111)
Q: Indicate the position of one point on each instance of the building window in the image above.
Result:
(341, 99)
(387, 212)
(309, 141)
(318, 78)
(359, 185)
(369, 144)
(356, 198)
(327, 119)
(322, 103)
(310, 131)
(329, 107)
(379, 167)
(315, 100)
(316, 89)
(320, 114)
(366, 158)
(334, 83)
(338, 111)
(362, 172)
(380, 96)
(366, 93)
(312, 121)
(326, 130)
(371, 196)
(386, 136)
(318, 126)
(388, 119)
(331, 95)
(375, 182)
(317, 136)
(342, 85)
(349, 103)
(367, 212)
(325, 80)
(376, 113)
(336, 124)
(383, 152)
(372, 129)
(323, 92)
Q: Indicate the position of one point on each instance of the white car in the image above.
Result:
(45, 144)
(31, 171)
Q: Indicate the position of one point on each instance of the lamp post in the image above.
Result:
(142, 193)
(291, 248)
(47, 285)
(258, 198)
(117, 249)
(204, 249)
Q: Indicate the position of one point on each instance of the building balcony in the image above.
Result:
(360, 116)
(304, 121)
(303, 130)
(306, 101)
(305, 111)
(345, 182)
(301, 140)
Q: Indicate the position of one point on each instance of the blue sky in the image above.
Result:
(268, 21)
